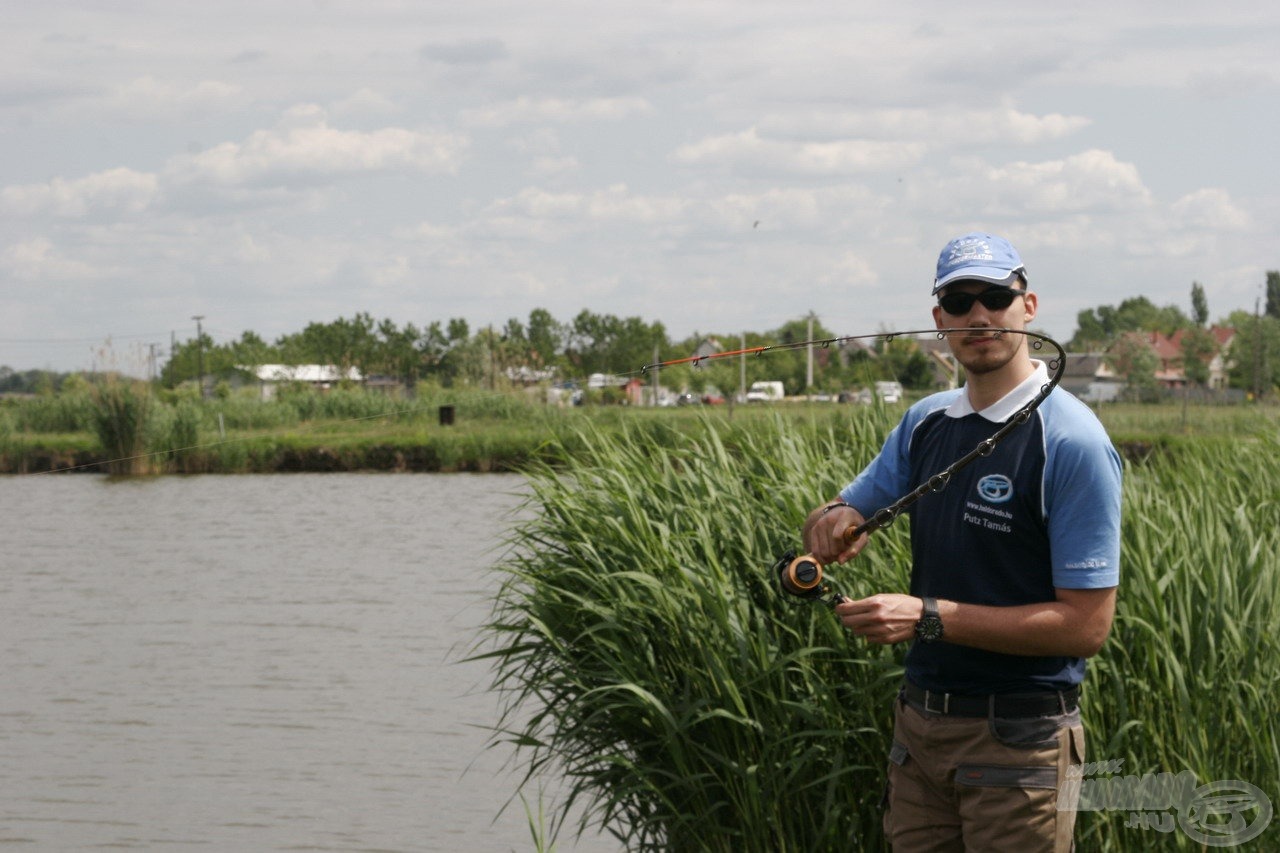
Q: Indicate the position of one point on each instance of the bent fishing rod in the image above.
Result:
(802, 576)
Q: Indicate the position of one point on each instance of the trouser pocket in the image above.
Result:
(1003, 776)
(898, 755)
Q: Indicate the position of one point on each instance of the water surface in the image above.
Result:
(252, 662)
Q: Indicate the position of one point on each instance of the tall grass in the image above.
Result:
(121, 419)
(45, 413)
(1190, 679)
(644, 656)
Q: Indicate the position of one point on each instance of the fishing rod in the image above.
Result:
(802, 576)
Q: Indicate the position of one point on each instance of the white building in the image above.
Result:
(318, 376)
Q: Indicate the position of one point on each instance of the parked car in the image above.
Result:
(686, 399)
(862, 397)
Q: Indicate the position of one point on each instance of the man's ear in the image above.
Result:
(1029, 304)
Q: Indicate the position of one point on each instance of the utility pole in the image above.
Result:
(1257, 349)
(808, 379)
(200, 350)
(656, 370)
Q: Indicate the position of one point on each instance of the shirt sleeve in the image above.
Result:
(1082, 502)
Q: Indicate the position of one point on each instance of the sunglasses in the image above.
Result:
(993, 299)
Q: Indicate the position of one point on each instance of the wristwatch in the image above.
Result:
(929, 628)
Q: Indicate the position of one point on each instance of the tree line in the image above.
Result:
(542, 348)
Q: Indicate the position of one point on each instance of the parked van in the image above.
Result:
(889, 392)
(765, 392)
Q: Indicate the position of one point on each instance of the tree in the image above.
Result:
(603, 343)
(1133, 358)
(1198, 349)
(1100, 326)
(397, 353)
(184, 362)
(1273, 294)
(343, 343)
(1255, 352)
(1199, 304)
(546, 337)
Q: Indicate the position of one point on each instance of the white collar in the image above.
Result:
(1004, 408)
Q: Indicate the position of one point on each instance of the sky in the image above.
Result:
(714, 166)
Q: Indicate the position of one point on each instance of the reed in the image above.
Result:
(120, 420)
(644, 656)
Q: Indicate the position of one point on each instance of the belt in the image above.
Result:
(1004, 705)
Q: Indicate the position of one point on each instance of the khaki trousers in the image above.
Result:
(980, 784)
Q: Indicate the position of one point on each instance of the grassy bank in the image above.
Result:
(350, 430)
(646, 657)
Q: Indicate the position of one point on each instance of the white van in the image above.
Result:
(765, 392)
(889, 392)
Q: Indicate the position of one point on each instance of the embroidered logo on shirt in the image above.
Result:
(996, 488)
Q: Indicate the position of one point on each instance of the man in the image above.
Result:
(1014, 571)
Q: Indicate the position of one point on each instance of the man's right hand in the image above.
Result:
(824, 533)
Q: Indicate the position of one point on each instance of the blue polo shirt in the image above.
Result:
(1042, 512)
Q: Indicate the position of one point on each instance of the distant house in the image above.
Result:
(1220, 363)
(1171, 372)
(1088, 376)
(319, 376)
(706, 348)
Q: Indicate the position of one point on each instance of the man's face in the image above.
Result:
(979, 351)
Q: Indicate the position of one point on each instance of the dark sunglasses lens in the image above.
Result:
(992, 300)
(996, 300)
(957, 303)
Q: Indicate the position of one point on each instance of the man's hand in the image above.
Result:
(886, 618)
(824, 533)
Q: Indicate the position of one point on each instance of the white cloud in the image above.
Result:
(613, 204)
(1091, 181)
(151, 98)
(547, 166)
(945, 126)
(365, 102)
(1212, 209)
(526, 109)
(120, 190)
(305, 148)
(748, 151)
(37, 261)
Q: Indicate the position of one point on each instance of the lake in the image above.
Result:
(253, 663)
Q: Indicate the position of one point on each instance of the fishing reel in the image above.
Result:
(801, 577)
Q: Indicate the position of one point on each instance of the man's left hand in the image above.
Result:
(886, 618)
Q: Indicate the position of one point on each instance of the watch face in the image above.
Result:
(929, 629)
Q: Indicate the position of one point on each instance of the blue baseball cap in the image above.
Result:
(984, 257)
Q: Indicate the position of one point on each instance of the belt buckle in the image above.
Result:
(946, 702)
